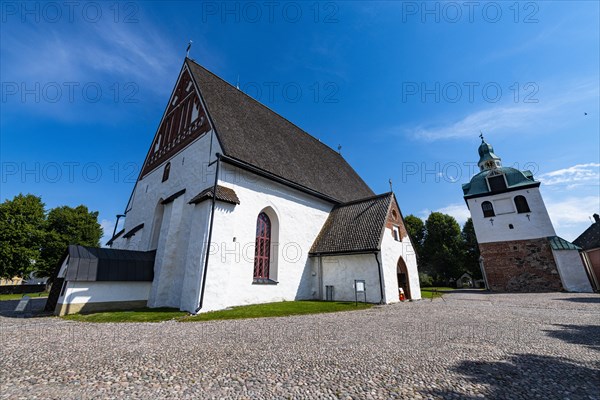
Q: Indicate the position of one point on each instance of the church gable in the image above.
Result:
(184, 120)
(395, 222)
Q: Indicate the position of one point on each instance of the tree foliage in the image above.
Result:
(21, 235)
(442, 246)
(31, 240)
(416, 231)
(445, 251)
(470, 250)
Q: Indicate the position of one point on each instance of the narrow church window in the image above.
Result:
(396, 233)
(521, 203)
(166, 171)
(262, 251)
(488, 209)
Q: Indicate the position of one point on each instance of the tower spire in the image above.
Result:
(487, 158)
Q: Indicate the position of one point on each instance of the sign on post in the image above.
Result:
(360, 287)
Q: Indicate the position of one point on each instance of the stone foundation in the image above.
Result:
(520, 266)
(84, 308)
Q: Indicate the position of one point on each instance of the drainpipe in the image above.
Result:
(210, 229)
(376, 254)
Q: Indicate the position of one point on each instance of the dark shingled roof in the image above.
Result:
(354, 227)
(101, 264)
(250, 132)
(590, 238)
(224, 194)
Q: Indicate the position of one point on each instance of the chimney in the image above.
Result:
(596, 217)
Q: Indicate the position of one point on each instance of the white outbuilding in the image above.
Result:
(236, 205)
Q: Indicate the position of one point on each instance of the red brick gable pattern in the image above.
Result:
(184, 121)
(397, 221)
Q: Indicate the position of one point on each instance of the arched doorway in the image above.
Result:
(403, 281)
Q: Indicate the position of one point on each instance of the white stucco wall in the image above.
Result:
(341, 272)
(99, 292)
(299, 217)
(177, 265)
(571, 270)
(189, 170)
(538, 224)
(391, 251)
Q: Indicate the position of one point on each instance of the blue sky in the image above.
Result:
(403, 87)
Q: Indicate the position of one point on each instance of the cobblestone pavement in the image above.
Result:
(473, 345)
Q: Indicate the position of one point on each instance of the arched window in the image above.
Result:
(262, 251)
(521, 203)
(488, 209)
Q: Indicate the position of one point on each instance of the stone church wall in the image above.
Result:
(520, 266)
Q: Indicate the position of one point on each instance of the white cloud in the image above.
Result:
(580, 174)
(459, 211)
(511, 119)
(571, 216)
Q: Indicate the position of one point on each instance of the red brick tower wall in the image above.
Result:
(520, 266)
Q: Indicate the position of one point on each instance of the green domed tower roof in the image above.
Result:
(493, 177)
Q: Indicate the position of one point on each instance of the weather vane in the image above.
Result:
(391, 188)
(187, 51)
(481, 135)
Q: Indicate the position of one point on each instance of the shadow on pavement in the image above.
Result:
(587, 335)
(528, 376)
(593, 300)
(34, 309)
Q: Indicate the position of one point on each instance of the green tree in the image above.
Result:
(442, 247)
(416, 230)
(21, 235)
(470, 250)
(64, 226)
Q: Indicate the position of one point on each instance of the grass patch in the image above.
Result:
(17, 296)
(279, 309)
(434, 292)
(141, 315)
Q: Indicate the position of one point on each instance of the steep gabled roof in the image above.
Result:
(254, 134)
(354, 227)
(590, 238)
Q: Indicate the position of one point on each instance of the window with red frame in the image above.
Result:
(262, 251)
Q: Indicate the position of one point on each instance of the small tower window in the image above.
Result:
(166, 171)
(521, 204)
(488, 209)
(396, 233)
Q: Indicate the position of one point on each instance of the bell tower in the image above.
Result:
(519, 247)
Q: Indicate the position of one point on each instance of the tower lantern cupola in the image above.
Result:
(487, 158)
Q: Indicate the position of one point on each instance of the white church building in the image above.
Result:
(236, 205)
